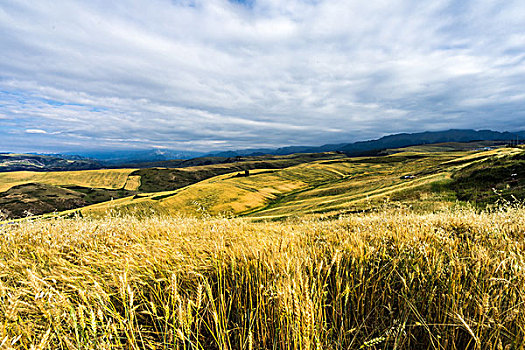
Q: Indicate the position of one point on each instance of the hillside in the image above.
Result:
(424, 181)
(426, 178)
(32, 162)
(37, 198)
(108, 178)
(491, 180)
(165, 179)
(117, 183)
(33, 193)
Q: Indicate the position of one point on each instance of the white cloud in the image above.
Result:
(221, 74)
(35, 131)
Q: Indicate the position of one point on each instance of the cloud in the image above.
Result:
(35, 131)
(219, 74)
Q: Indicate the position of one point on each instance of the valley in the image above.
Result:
(425, 178)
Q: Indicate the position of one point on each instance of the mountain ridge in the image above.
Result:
(388, 141)
(89, 160)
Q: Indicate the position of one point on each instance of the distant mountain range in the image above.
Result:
(390, 141)
(117, 157)
(38, 162)
(174, 158)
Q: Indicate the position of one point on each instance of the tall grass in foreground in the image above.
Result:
(452, 280)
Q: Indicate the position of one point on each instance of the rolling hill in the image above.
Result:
(425, 181)
(429, 177)
(27, 193)
(118, 183)
(37, 198)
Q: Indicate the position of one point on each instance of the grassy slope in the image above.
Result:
(364, 181)
(165, 179)
(374, 181)
(487, 181)
(220, 194)
(107, 178)
(329, 186)
(378, 179)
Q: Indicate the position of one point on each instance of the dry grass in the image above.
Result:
(386, 280)
(132, 183)
(106, 178)
(315, 187)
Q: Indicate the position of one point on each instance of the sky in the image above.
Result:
(208, 75)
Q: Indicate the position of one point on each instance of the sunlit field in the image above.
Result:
(106, 178)
(328, 186)
(262, 175)
(382, 280)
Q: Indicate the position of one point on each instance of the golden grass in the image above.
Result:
(384, 280)
(223, 194)
(227, 194)
(106, 178)
(498, 153)
(132, 183)
(302, 189)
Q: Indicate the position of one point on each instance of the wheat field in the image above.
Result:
(105, 178)
(381, 280)
(310, 188)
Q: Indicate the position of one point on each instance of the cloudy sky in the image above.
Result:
(218, 74)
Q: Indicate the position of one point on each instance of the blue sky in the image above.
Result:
(217, 74)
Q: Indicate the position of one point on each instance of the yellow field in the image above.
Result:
(325, 187)
(132, 183)
(384, 280)
(225, 194)
(317, 187)
(175, 270)
(106, 178)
